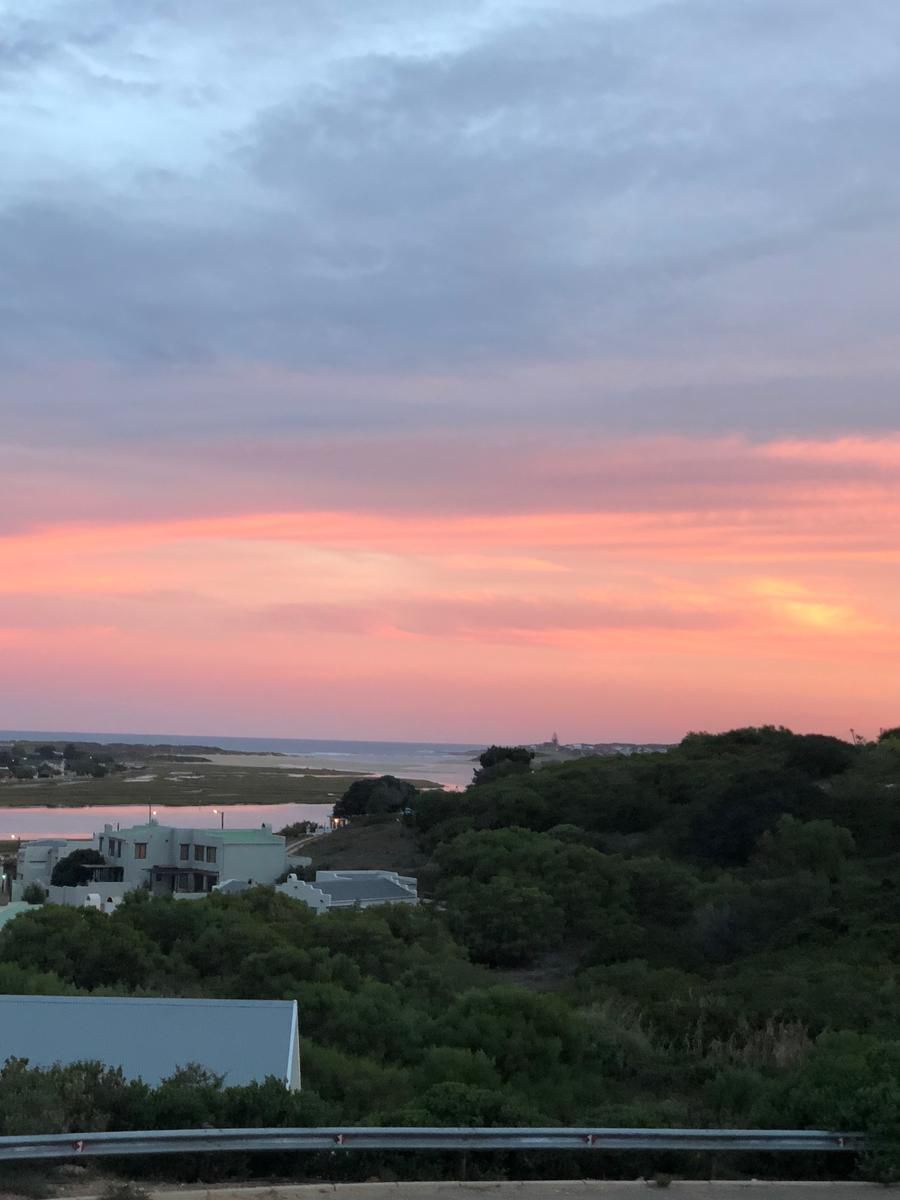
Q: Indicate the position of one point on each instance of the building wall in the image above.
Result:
(35, 862)
(222, 856)
(293, 1075)
(107, 895)
(261, 862)
(306, 892)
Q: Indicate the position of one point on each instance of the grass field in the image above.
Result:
(229, 779)
(185, 784)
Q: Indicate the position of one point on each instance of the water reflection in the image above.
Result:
(28, 823)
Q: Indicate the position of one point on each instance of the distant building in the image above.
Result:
(165, 860)
(246, 1041)
(351, 889)
(35, 862)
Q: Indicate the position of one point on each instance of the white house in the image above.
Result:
(164, 859)
(35, 862)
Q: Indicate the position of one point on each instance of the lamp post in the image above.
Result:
(220, 815)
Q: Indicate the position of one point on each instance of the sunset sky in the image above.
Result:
(449, 371)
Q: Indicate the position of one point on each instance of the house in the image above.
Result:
(162, 858)
(351, 889)
(35, 862)
(175, 861)
(245, 1041)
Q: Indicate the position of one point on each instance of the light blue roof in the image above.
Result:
(9, 911)
(244, 1040)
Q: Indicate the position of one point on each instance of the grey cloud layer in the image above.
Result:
(484, 184)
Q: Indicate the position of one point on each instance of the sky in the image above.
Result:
(452, 371)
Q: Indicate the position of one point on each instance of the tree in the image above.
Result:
(72, 871)
(34, 894)
(498, 761)
(298, 829)
(817, 846)
(368, 797)
(504, 923)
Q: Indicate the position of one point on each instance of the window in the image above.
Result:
(184, 851)
(210, 854)
(100, 845)
(184, 883)
(140, 849)
(199, 853)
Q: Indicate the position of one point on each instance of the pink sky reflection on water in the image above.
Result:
(27, 823)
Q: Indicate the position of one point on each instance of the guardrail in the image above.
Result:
(182, 1141)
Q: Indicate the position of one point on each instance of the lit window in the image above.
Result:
(140, 849)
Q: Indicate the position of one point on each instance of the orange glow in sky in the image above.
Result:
(755, 595)
(455, 371)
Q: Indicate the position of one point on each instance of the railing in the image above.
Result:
(182, 1141)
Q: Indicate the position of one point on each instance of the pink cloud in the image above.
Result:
(763, 588)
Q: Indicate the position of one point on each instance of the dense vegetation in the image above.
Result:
(708, 936)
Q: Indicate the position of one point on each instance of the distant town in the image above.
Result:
(556, 751)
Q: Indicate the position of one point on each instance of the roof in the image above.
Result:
(243, 1040)
(246, 835)
(351, 891)
(226, 835)
(240, 835)
(9, 911)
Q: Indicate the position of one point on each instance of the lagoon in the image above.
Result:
(28, 823)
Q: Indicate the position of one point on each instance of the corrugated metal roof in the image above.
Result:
(244, 1040)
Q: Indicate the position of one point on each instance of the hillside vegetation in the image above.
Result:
(731, 912)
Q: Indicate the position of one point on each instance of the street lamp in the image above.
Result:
(221, 814)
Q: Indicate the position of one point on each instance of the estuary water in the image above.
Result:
(449, 764)
(29, 823)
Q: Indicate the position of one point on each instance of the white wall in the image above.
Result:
(35, 862)
(260, 861)
(298, 890)
(76, 897)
